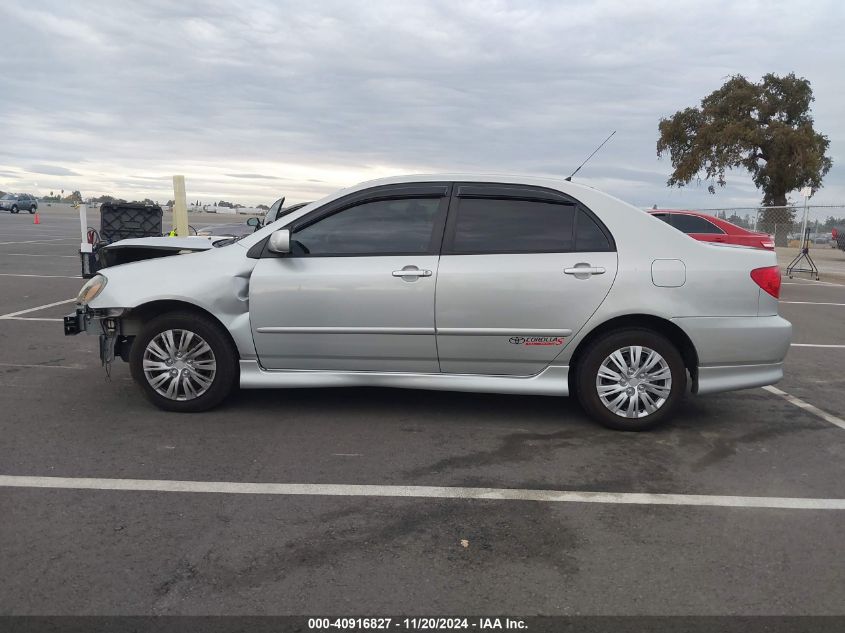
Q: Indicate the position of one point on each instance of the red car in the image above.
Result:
(706, 228)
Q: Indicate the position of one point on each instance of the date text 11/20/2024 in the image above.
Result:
(417, 624)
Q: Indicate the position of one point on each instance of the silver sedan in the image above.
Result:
(454, 282)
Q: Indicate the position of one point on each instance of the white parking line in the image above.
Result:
(58, 239)
(41, 236)
(810, 283)
(36, 309)
(798, 402)
(817, 345)
(813, 303)
(40, 276)
(419, 492)
(43, 366)
(29, 319)
(34, 255)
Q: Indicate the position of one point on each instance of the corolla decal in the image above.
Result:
(536, 340)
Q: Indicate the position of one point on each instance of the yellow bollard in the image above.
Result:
(180, 207)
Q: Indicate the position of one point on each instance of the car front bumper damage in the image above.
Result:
(104, 323)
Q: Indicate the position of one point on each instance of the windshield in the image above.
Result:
(8, 196)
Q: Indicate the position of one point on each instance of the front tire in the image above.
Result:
(631, 380)
(14, 209)
(184, 362)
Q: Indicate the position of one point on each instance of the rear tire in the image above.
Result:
(33, 209)
(185, 362)
(631, 379)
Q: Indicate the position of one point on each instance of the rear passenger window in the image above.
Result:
(589, 237)
(492, 225)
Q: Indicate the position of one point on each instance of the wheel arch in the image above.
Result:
(136, 317)
(662, 326)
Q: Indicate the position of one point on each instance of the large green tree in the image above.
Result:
(765, 128)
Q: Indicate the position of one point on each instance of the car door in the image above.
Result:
(698, 228)
(357, 290)
(522, 270)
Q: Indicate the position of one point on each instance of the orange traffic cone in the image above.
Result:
(37, 220)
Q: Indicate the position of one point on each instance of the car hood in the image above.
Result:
(208, 278)
(191, 243)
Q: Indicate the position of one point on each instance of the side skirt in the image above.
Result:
(552, 381)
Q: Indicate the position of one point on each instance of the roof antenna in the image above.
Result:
(569, 177)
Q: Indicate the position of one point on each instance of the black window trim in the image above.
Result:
(399, 191)
(533, 193)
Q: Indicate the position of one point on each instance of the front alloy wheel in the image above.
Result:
(184, 361)
(179, 365)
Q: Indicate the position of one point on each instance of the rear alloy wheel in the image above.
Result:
(184, 362)
(33, 209)
(631, 380)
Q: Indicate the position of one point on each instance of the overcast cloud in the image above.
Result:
(252, 100)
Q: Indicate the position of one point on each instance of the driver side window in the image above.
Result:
(380, 227)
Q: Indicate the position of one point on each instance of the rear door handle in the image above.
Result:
(585, 270)
(412, 272)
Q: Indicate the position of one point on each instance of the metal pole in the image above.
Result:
(804, 240)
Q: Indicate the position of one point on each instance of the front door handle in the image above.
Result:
(411, 272)
(585, 270)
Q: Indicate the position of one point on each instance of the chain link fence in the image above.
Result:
(784, 223)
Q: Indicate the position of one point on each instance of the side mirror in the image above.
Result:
(253, 222)
(279, 242)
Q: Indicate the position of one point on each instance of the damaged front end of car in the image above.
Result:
(103, 322)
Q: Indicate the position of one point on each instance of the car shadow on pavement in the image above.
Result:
(408, 405)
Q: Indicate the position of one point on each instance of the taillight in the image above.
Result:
(834, 233)
(767, 244)
(768, 279)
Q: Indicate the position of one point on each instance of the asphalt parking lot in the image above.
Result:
(756, 544)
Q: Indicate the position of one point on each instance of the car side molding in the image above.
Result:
(552, 381)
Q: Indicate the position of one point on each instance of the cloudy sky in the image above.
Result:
(254, 99)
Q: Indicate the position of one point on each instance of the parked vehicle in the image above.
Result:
(140, 248)
(17, 202)
(239, 229)
(707, 228)
(838, 235)
(507, 285)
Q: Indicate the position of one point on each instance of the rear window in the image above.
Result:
(693, 224)
(589, 237)
(492, 225)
